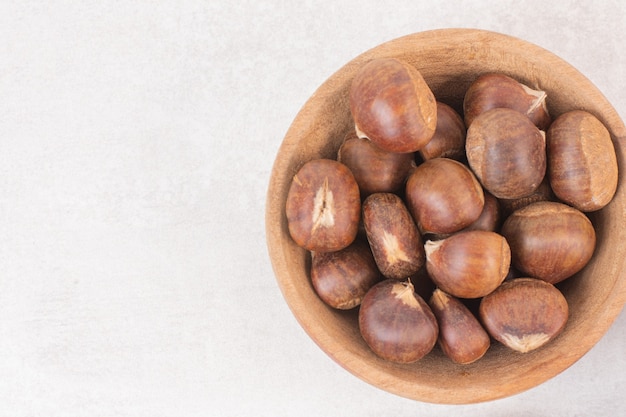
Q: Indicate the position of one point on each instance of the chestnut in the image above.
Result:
(468, 264)
(493, 90)
(506, 152)
(524, 313)
(449, 138)
(581, 160)
(549, 240)
(392, 105)
(490, 217)
(443, 196)
(396, 323)
(542, 193)
(375, 170)
(393, 236)
(323, 206)
(461, 336)
(342, 278)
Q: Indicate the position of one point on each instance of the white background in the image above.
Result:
(136, 143)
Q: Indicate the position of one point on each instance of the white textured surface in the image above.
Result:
(136, 142)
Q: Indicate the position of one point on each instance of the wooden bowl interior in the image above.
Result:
(450, 60)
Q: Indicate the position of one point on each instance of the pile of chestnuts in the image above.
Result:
(451, 228)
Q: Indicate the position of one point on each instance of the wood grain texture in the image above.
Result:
(450, 60)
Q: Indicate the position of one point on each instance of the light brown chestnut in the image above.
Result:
(493, 90)
(461, 336)
(524, 313)
(506, 152)
(449, 138)
(323, 206)
(468, 264)
(375, 170)
(549, 240)
(393, 236)
(582, 161)
(443, 196)
(342, 278)
(490, 217)
(396, 323)
(392, 105)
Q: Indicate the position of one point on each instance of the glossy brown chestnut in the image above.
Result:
(468, 264)
(396, 323)
(375, 170)
(443, 196)
(524, 313)
(493, 90)
(449, 138)
(393, 236)
(392, 105)
(582, 161)
(323, 206)
(461, 336)
(342, 278)
(549, 240)
(506, 152)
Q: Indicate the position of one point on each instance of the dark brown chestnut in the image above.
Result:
(396, 323)
(449, 138)
(493, 90)
(490, 217)
(461, 336)
(342, 278)
(393, 236)
(375, 170)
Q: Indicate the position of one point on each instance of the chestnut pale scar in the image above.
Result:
(540, 99)
(323, 207)
(393, 249)
(526, 343)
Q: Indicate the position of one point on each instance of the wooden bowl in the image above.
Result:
(449, 60)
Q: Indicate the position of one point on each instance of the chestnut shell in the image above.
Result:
(323, 206)
(507, 153)
(375, 170)
(461, 336)
(393, 236)
(468, 264)
(524, 313)
(392, 105)
(549, 240)
(582, 161)
(494, 90)
(342, 278)
(443, 196)
(396, 323)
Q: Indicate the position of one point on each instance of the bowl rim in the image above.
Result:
(355, 361)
